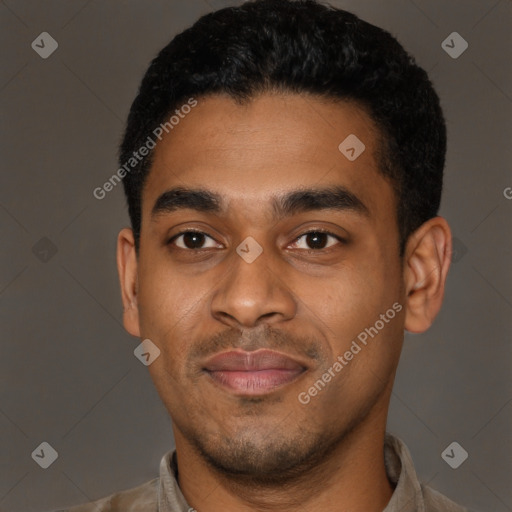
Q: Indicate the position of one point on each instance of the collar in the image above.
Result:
(407, 496)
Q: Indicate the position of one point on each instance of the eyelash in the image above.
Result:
(323, 231)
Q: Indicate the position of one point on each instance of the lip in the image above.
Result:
(253, 373)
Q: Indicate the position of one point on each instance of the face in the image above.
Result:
(254, 288)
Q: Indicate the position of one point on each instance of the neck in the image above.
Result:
(352, 477)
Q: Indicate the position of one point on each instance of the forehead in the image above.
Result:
(274, 143)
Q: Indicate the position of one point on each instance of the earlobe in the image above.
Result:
(127, 269)
(427, 260)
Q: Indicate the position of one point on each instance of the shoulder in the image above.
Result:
(401, 471)
(142, 497)
(437, 502)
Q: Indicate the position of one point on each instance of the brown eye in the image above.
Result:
(316, 240)
(192, 240)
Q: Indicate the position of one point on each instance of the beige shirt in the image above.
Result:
(164, 495)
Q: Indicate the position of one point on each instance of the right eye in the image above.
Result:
(191, 240)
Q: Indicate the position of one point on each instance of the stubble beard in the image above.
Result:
(275, 457)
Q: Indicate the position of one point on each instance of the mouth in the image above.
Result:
(253, 373)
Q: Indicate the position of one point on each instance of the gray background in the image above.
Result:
(68, 373)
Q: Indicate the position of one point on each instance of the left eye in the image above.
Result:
(316, 240)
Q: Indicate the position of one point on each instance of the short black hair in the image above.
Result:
(304, 47)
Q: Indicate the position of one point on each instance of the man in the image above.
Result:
(283, 166)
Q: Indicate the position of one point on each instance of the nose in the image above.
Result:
(253, 293)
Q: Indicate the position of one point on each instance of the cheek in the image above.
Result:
(355, 297)
(351, 296)
(168, 310)
(168, 302)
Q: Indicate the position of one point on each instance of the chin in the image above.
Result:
(264, 457)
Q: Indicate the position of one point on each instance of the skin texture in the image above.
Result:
(272, 452)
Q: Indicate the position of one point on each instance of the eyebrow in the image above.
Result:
(293, 202)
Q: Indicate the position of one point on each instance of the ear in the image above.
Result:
(127, 268)
(427, 260)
